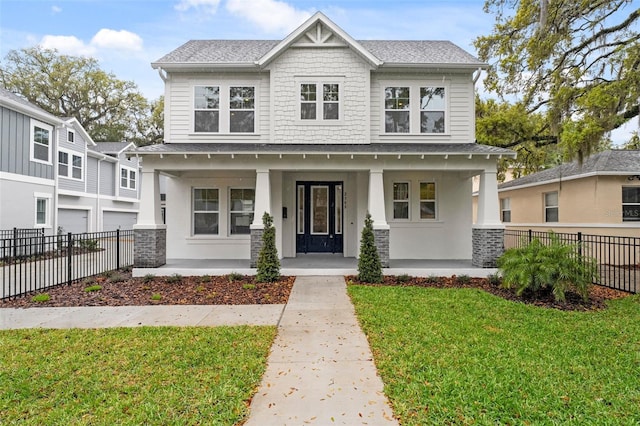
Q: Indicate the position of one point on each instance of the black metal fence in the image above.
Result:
(617, 258)
(31, 261)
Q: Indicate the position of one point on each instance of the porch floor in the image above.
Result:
(316, 264)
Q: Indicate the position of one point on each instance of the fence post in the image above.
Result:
(118, 248)
(15, 243)
(530, 236)
(580, 244)
(69, 257)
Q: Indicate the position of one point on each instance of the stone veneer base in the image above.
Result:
(488, 246)
(381, 240)
(256, 245)
(149, 248)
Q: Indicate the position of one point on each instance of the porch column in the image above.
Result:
(488, 232)
(378, 215)
(150, 234)
(262, 206)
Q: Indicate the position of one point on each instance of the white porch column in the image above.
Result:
(376, 200)
(150, 214)
(263, 198)
(488, 233)
(150, 234)
(488, 202)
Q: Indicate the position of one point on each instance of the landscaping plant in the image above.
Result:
(268, 263)
(555, 266)
(369, 266)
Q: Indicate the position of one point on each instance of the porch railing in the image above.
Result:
(617, 258)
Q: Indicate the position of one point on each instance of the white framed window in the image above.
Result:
(631, 203)
(401, 200)
(320, 100)
(71, 136)
(415, 108)
(229, 108)
(551, 207)
(242, 109)
(42, 217)
(241, 206)
(70, 165)
(206, 107)
(206, 211)
(505, 209)
(427, 200)
(41, 142)
(127, 178)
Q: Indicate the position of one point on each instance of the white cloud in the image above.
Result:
(112, 39)
(207, 6)
(67, 45)
(272, 16)
(56, 9)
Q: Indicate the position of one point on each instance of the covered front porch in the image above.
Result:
(317, 264)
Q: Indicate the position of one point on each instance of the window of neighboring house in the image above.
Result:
(397, 114)
(224, 109)
(127, 178)
(551, 207)
(401, 200)
(205, 211)
(241, 205)
(73, 170)
(71, 136)
(41, 142)
(427, 200)
(241, 109)
(320, 101)
(505, 209)
(63, 163)
(630, 203)
(432, 109)
(42, 211)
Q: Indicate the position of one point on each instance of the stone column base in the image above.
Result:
(488, 246)
(381, 240)
(256, 246)
(149, 248)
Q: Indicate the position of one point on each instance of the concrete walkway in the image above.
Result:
(320, 370)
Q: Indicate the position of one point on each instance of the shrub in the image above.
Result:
(174, 279)
(463, 279)
(494, 279)
(41, 298)
(156, 296)
(404, 278)
(235, 276)
(369, 266)
(205, 278)
(555, 266)
(93, 288)
(249, 286)
(148, 278)
(434, 279)
(87, 244)
(117, 278)
(268, 263)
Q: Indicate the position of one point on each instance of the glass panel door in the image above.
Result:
(320, 210)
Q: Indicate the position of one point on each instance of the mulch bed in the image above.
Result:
(598, 295)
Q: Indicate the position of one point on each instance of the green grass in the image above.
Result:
(131, 376)
(463, 356)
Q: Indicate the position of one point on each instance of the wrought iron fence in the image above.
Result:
(32, 262)
(617, 258)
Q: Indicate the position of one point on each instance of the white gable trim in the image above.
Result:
(311, 25)
(74, 124)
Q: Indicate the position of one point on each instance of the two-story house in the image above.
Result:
(55, 177)
(318, 130)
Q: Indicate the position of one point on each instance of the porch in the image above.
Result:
(316, 264)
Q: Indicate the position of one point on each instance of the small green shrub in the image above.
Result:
(205, 278)
(463, 279)
(249, 286)
(268, 264)
(402, 279)
(148, 278)
(434, 279)
(156, 296)
(200, 288)
(117, 278)
(91, 288)
(87, 244)
(108, 274)
(235, 276)
(555, 266)
(494, 279)
(41, 298)
(369, 265)
(174, 279)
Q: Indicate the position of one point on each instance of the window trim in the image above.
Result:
(623, 204)
(407, 201)
(224, 107)
(505, 206)
(434, 200)
(129, 170)
(33, 124)
(415, 109)
(546, 207)
(47, 198)
(194, 211)
(319, 102)
(230, 210)
(70, 165)
(72, 133)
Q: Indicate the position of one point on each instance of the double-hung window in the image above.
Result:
(505, 209)
(241, 205)
(427, 200)
(415, 108)
(42, 210)
(41, 142)
(630, 203)
(551, 207)
(401, 200)
(206, 105)
(224, 109)
(69, 165)
(71, 136)
(242, 109)
(320, 101)
(206, 211)
(127, 178)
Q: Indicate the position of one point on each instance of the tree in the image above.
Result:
(577, 64)
(369, 266)
(268, 264)
(67, 86)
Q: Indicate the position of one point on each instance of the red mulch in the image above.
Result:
(598, 295)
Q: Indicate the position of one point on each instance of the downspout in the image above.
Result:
(476, 76)
(99, 218)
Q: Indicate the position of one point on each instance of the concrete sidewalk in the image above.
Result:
(320, 370)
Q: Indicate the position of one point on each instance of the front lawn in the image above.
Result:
(159, 375)
(463, 356)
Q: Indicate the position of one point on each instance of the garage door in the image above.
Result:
(74, 221)
(118, 220)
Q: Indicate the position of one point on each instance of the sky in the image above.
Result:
(127, 35)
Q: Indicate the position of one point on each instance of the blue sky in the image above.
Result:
(127, 35)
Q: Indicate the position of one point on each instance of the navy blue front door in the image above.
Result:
(319, 211)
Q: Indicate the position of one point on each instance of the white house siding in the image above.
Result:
(108, 178)
(18, 208)
(461, 118)
(179, 106)
(92, 175)
(319, 63)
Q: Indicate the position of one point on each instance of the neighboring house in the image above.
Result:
(318, 130)
(54, 176)
(600, 196)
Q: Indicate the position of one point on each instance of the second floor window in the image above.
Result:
(127, 178)
(551, 207)
(206, 106)
(66, 169)
(71, 136)
(397, 114)
(41, 142)
(224, 109)
(415, 108)
(320, 101)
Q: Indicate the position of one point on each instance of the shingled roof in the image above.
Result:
(612, 162)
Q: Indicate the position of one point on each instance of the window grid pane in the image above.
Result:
(401, 200)
(631, 204)
(205, 211)
(427, 200)
(308, 101)
(206, 109)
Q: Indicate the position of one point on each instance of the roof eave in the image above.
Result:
(198, 66)
(437, 66)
